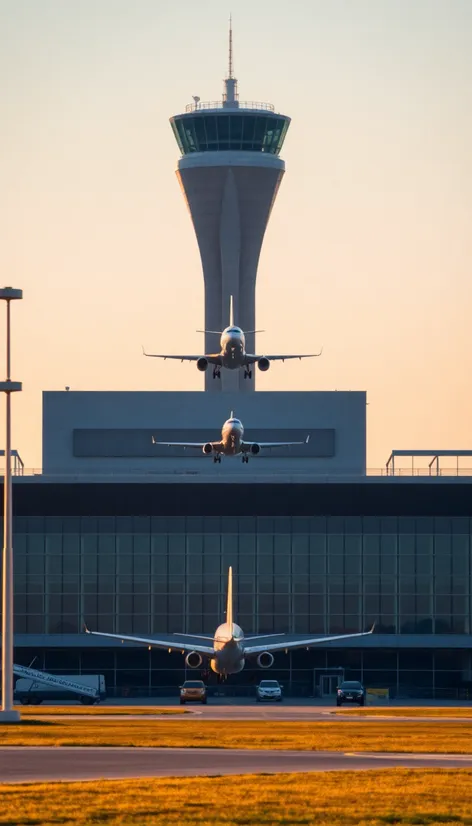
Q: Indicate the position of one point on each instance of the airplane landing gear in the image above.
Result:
(217, 459)
(248, 374)
(245, 459)
(216, 373)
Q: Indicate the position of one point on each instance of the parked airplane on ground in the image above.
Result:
(231, 443)
(228, 650)
(232, 355)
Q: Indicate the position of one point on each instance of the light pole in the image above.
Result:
(8, 714)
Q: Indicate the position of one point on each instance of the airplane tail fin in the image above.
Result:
(231, 311)
(229, 599)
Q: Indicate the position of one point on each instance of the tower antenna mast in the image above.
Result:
(230, 72)
(230, 94)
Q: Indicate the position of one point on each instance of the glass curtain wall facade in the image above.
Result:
(241, 131)
(321, 575)
(135, 671)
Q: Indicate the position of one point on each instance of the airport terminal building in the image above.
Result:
(136, 538)
(133, 545)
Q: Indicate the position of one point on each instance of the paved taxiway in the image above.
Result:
(30, 764)
(267, 711)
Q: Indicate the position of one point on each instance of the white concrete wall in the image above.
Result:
(290, 414)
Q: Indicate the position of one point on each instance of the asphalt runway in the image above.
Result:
(36, 764)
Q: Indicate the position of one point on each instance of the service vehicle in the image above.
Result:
(193, 691)
(269, 690)
(32, 692)
(350, 691)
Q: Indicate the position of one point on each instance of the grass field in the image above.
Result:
(86, 711)
(418, 736)
(423, 797)
(406, 711)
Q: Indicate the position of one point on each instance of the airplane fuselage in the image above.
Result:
(229, 650)
(232, 437)
(233, 348)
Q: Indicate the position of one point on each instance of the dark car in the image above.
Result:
(350, 691)
(193, 691)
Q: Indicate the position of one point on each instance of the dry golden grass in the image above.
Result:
(336, 735)
(407, 711)
(86, 711)
(423, 797)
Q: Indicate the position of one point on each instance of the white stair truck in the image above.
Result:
(35, 686)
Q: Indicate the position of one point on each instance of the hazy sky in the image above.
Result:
(369, 247)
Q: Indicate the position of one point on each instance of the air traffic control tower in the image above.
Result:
(230, 172)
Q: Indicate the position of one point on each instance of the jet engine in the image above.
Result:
(263, 364)
(194, 659)
(207, 449)
(265, 660)
(202, 364)
(255, 449)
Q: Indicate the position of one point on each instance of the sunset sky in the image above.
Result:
(369, 248)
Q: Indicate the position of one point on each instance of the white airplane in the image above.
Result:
(232, 355)
(231, 443)
(228, 649)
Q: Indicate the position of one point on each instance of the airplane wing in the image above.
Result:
(212, 358)
(252, 359)
(177, 646)
(217, 446)
(291, 644)
(246, 446)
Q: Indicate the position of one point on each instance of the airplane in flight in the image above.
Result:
(228, 649)
(231, 443)
(232, 355)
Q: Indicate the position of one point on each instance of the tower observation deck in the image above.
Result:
(230, 172)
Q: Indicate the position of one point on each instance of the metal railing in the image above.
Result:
(423, 473)
(218, 104)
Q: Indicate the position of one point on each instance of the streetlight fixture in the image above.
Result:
(8, 714)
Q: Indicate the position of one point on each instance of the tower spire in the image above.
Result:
(230, 95)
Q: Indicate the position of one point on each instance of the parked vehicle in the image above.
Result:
(193, 691)
(32, 692)
(269, 690)
(350, 691)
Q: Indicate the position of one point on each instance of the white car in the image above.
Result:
(269, 690)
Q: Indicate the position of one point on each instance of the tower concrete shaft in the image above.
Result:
(230, 200)
(230, 172)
